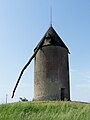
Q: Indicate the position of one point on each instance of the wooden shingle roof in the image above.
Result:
(55, 39)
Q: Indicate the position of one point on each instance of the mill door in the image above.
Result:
(62, 93)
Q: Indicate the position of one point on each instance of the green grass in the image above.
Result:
(45, 110)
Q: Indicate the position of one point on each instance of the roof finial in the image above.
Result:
(51, 16)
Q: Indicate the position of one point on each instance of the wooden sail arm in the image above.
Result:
(24, 68)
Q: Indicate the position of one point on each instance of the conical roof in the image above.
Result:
(51, 38)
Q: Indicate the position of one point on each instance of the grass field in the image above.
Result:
(45, 110)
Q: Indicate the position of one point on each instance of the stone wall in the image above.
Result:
(51, 73)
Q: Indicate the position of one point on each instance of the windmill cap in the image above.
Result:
(52, 38)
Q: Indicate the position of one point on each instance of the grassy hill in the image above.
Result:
(45, 110)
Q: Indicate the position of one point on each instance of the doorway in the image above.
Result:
(62, 93)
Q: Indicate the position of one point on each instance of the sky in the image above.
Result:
(22, 25)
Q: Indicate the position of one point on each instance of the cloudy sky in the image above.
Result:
(22, 25)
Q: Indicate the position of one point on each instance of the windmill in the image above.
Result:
(51, 68)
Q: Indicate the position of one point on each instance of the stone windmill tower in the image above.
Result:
(51, 68)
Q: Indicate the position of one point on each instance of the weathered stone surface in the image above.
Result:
(51, 74)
